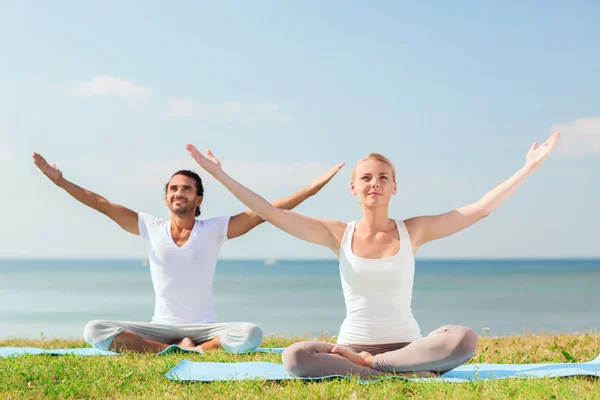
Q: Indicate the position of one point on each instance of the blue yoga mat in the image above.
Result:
(276, 350)
(210, 371)
(176, 349)
(21, 351)
(87, 351)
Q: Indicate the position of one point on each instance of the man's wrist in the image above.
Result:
(60, 182)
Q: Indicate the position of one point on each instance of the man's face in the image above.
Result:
(181, 196)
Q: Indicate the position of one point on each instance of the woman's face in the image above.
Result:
(373, 182)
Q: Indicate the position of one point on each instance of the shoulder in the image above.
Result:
(337, 228)
(217, 226)
(148, 219)
(414, 228)
(213, 222)
(149, 225)
(413, 225)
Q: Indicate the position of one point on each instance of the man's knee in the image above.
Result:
(99, 334)
(253, 335)
(92, 329)
(242, 338)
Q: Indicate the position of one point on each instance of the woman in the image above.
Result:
(379, 334)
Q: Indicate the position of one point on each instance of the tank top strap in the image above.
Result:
(346, 243)
(404, 236)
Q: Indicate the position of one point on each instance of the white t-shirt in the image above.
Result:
(183, 276)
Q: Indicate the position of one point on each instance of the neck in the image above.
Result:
(183, 222)
(374, 219)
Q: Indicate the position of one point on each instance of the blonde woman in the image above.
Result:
(379, 334)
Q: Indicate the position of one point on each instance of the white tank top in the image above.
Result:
(378, 294)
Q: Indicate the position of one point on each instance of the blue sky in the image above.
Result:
(454, 93)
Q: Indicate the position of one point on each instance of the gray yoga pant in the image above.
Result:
(440, 351)
(237, 337)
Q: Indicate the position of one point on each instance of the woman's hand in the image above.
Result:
(363, 358)
(209, 163)
(537, 155)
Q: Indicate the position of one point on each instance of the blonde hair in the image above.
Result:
(377, 157)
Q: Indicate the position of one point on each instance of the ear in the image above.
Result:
(395, 188)
(199, 200)
(352, 188)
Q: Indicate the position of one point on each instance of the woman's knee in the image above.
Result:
(465, 340)
(292, 356)
(298, 358)
(470, 340)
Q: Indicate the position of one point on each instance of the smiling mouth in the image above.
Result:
(374, 194)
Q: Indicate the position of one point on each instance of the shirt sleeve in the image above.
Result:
(144, 221)
(222, 225)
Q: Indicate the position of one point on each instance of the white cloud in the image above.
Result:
(579, 138)
(234, 111)
(103, 85)
(7, 154)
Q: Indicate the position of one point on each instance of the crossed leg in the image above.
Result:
(440, 351)
(148, 337)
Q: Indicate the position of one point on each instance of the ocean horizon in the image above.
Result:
(56, 297)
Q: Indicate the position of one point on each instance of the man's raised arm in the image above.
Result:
(244, 222)
(126, 218)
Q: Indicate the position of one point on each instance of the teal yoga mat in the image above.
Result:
(87, 351)
(210, 371)
(176, 349)
(21, 351)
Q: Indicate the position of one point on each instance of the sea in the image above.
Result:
(56, 298)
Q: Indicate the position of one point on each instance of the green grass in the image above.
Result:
(142, 376)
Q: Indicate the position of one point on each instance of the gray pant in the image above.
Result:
(440, 351)
(235, 337)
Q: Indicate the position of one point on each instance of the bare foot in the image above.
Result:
(187, 344)
(212, 344)
(364, 359)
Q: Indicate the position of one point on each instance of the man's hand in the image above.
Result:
(50, 170)
(321, 181)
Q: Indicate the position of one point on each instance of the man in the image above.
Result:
(183, 253)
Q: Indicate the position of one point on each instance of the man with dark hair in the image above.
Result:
(183, 254)
(196, 178)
